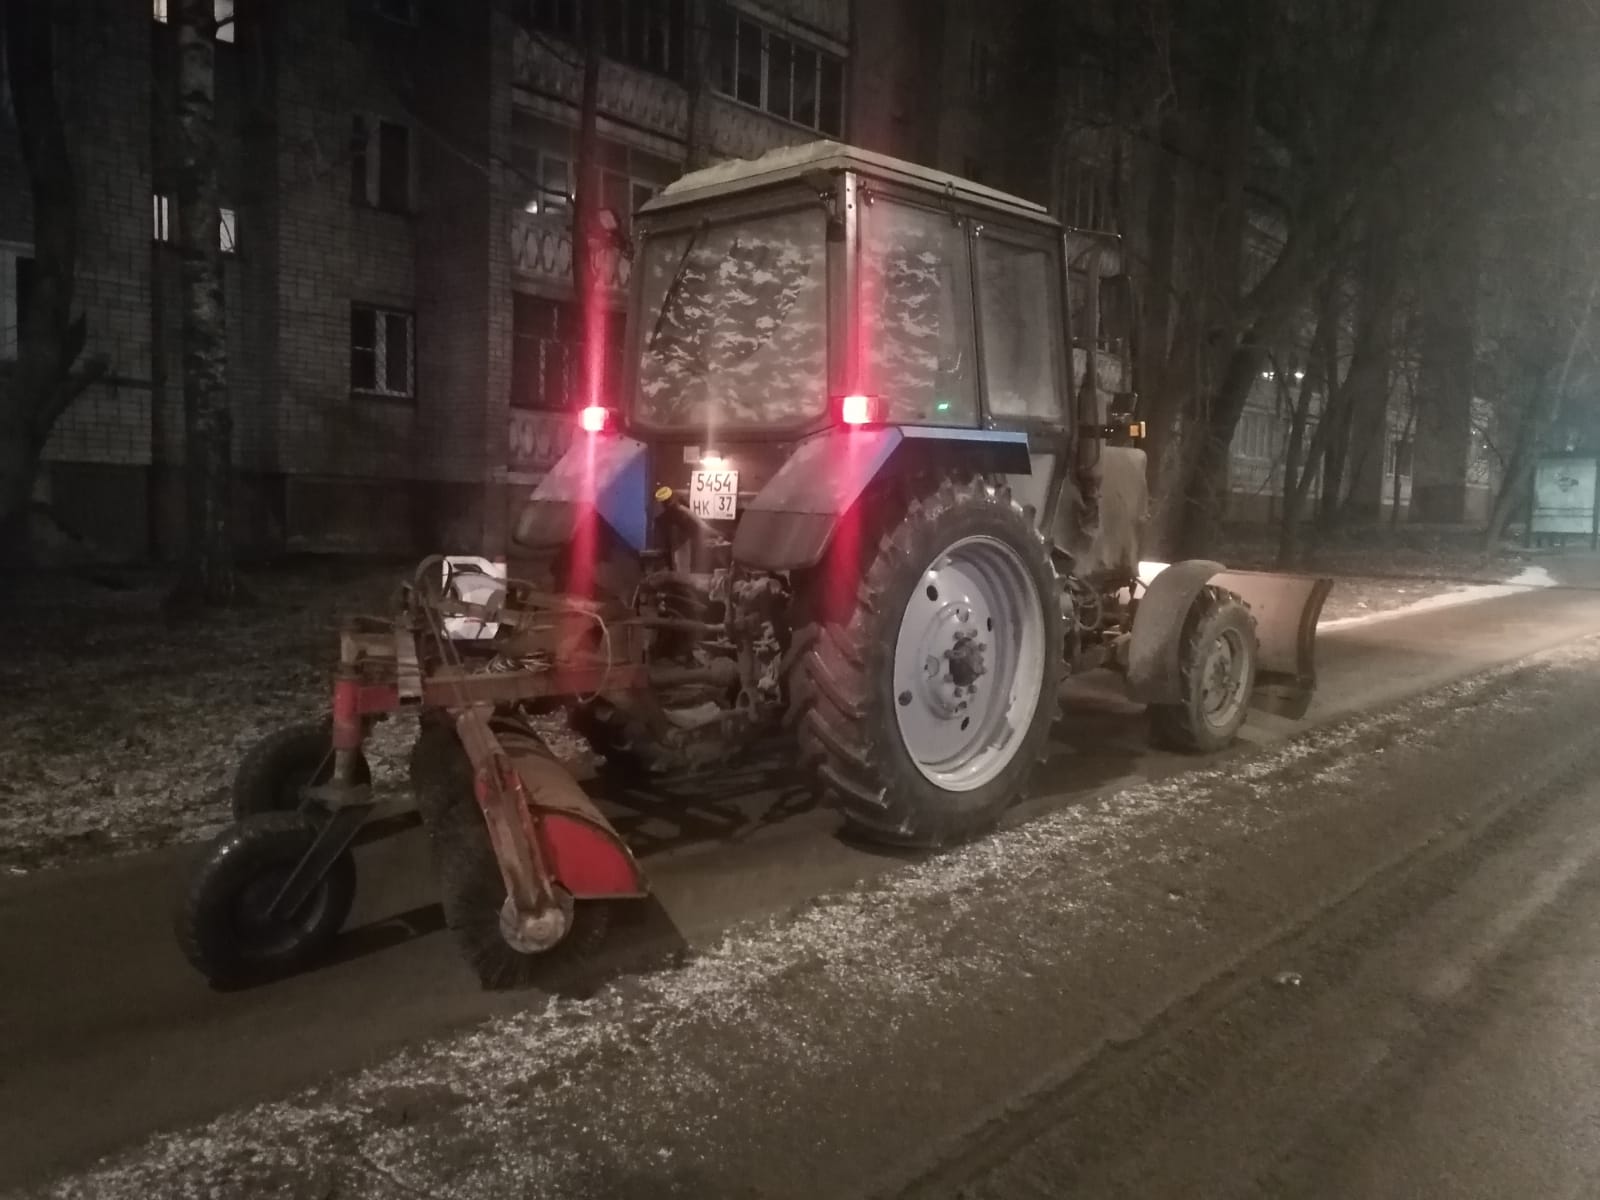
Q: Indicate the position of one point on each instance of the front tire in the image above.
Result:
(929, 703)
(222, 922)
(1218, 675)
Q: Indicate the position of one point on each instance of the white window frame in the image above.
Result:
(382, 385)
(819, 54)
(161, 216)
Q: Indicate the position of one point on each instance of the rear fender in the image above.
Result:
(790, 523)
(609, 476)
(1285, 607)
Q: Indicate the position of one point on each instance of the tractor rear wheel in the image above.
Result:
(471, 891)
(1218, 668)
(930, 701)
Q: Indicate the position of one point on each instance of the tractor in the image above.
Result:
(868, 486)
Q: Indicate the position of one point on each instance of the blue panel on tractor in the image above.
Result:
(827, 471)
(611, 474)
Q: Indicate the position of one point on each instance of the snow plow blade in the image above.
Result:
(1286, 609)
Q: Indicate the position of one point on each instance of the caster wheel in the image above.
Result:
(275, 771)
(224, 925)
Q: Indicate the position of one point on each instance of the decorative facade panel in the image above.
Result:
(637, 97)
(542, 250)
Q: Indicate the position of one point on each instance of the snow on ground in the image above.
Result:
(120, 730)
(1430, 599)
(475, 1113)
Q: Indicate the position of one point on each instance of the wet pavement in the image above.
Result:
(1005, 1019)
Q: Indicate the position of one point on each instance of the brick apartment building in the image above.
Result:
(396, 178)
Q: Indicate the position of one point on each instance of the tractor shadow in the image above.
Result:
(722, 804)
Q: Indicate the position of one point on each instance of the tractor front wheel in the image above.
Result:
(1218, 668)
(224, 923)
(930, 702)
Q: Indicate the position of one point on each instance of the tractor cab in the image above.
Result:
(820, 290)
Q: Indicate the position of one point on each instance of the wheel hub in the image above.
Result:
(969, 641)
(535, 932)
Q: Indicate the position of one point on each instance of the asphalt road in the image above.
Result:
(105, 1036)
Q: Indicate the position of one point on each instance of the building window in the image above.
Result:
(649, 34)
(162, 228)
(559, 17)
(543, 155)
(545, 339)
(381, 164)
(221, 12)
(544, 352)
(161, 217)
(381, 358)
(16, 289)
(784, 77)
(981, 70)
(402, 12)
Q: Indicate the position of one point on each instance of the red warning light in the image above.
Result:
(594, 418)
(859, 410)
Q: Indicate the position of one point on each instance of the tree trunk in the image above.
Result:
(207, 577)
(1371, 365)
(47, 376)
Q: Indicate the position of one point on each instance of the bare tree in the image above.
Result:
(207, 576)
(48, 374)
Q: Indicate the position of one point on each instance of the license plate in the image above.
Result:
(714, 495)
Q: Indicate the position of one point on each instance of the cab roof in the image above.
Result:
(794, 162)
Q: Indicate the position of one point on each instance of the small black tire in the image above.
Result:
(1204, 721)
(471, 891)
(849, 729)
(221, 923)
(272, 774)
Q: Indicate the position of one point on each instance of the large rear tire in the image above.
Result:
(1218, 675)
(928, 704)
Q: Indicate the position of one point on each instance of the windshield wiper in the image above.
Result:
(674, 283)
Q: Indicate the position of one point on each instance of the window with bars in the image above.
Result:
(381, 164)
(778, 74)
(382, 359)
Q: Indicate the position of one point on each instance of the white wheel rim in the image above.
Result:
(969, 663)
(1224, 679)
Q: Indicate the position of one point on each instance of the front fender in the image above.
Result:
(1155, 668)
(608, 475)
(790, 523)
(1286, 609)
